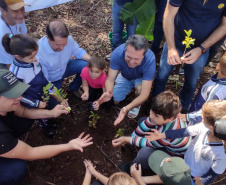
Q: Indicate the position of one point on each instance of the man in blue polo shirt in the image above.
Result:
(207, 20)
(136, 64)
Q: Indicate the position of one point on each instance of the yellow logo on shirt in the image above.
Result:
(221, 5)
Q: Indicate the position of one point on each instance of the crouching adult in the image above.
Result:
(136, 64)
(14, 152)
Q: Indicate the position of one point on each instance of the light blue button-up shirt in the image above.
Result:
(54, 63)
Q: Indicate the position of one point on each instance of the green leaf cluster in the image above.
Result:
(59, 93)
(188, 40)
(45, 96)
(119, 132)
(144, 11)
(94, 117)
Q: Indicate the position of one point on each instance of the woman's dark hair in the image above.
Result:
(167, 104)
(22, 45)
(56, 28)
(97, 61)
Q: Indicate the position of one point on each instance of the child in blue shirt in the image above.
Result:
(28, 70)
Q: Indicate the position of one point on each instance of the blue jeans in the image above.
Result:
(191, 74)
(118, 26)
(74, 66)
(158, 28)
(12, 171)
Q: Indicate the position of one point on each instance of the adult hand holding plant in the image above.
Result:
(173, 57)
(191, 56)
(194, 54)
(79, 143)
(58, 110)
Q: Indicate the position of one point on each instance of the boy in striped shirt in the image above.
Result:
(163, 116)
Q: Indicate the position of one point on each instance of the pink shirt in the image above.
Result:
(94, 83)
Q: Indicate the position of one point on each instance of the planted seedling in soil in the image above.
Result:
(119, 133)
(94, 117)
(187, 42)
(175, 78)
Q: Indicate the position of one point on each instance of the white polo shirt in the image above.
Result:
(6, 58)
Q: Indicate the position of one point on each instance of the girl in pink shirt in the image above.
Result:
(93, 80)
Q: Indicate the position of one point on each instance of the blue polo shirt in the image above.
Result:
(202, 17)
(146, 70)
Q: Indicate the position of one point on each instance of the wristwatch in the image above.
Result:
(202, 48)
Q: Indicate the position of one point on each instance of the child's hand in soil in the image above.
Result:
(88, 173)
(120, 141)
(58, 110)
(154, 135)
(79, 143)
(85, 96)
(96, 105)
(42, 105)
(91, 167)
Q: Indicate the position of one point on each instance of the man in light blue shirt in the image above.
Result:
(55, 52)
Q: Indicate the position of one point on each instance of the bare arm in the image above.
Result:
(155, 179)
(86, 57)
(85, 88)
(26, 152)
(96, 174)
(109, 84)
(24, 112)
(168, 26)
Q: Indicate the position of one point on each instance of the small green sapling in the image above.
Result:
(94, 117)
(187, 42)
(59, 93)
(119, 133)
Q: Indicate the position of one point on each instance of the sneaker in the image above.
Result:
(181, 71)
(108, 57)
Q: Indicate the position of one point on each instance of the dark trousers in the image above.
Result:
(12, 171)
(95, 94)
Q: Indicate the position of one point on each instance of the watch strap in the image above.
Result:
(202, 48)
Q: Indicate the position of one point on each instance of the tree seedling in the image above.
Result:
(46, 96)
(187, 42)
(119, 133)
(59, 93)
(175, 78)
(94, 117)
